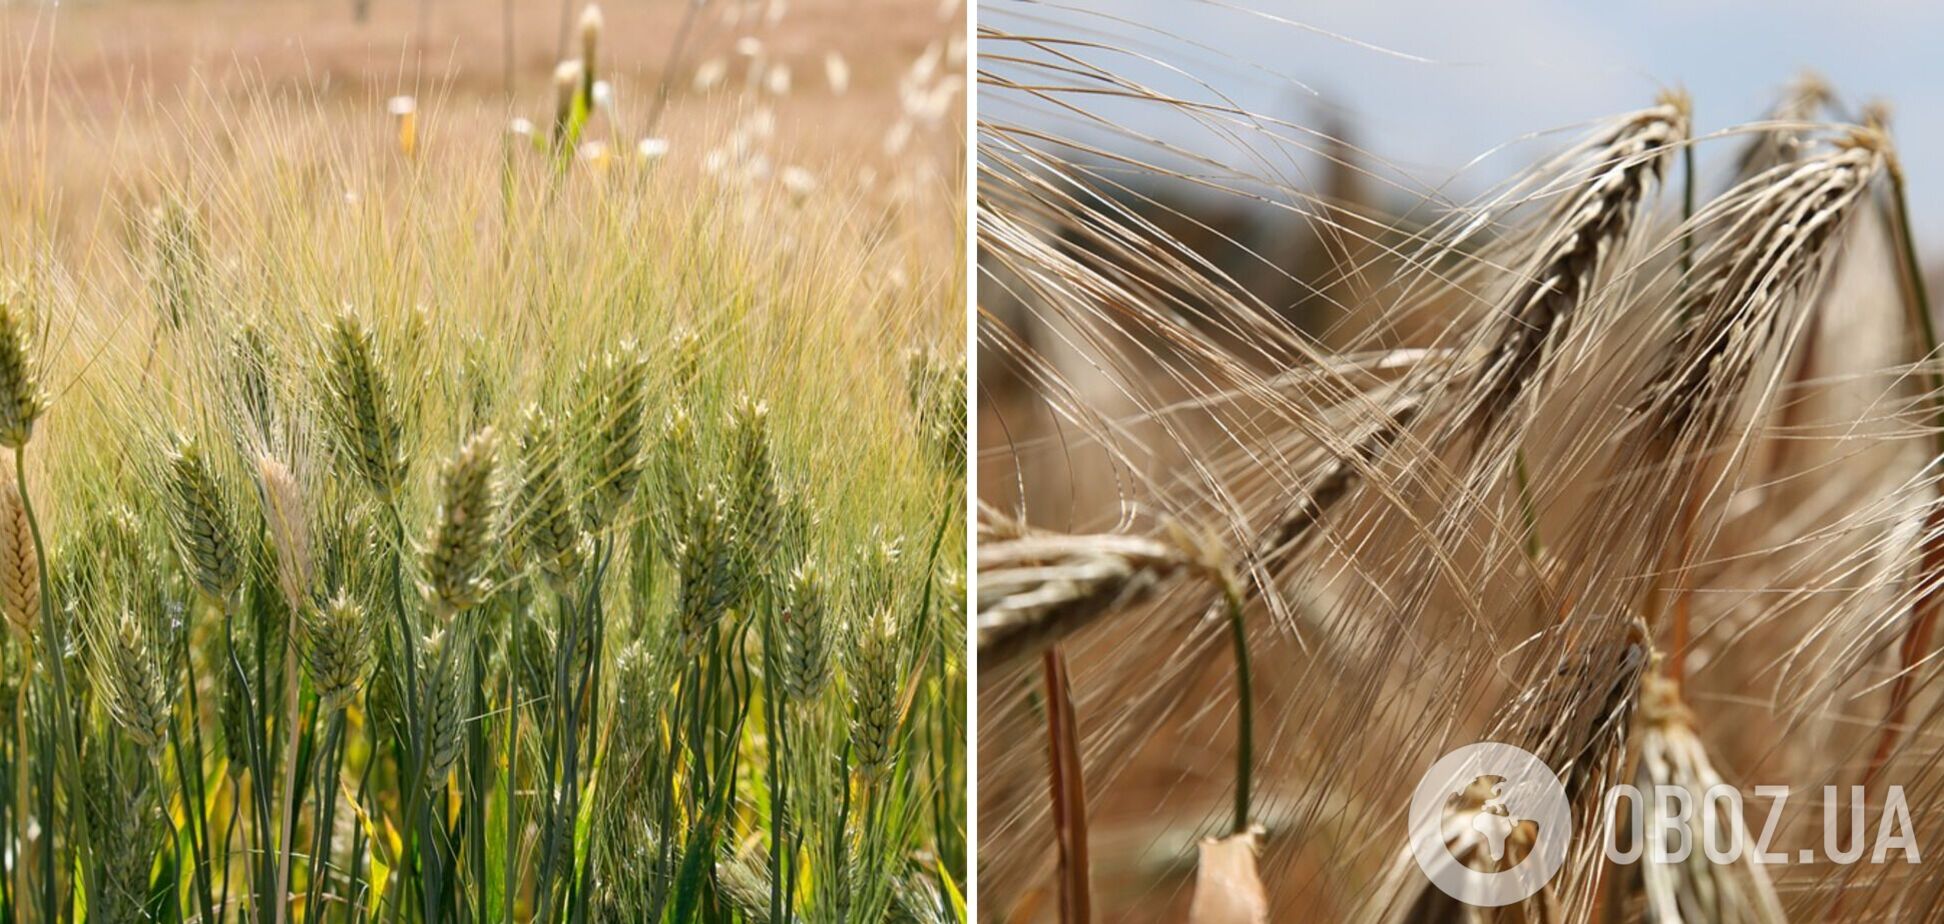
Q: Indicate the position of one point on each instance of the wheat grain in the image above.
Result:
(360, 408)
(20, 396)
(549, 534)
(19, 575)
(455, 559)
(201, 524)
(337, 640)
(876, 710)
(806, 628)
(290, 531)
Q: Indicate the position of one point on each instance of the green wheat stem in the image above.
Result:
(192, 810)
(1245, 707)
(69, 743)
(1528, 506)
(330, 761)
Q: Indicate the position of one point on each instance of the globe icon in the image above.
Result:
(1502, 789)
(1494, 822)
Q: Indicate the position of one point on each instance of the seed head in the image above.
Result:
(180, 261)
(119, 797)
(689, 353)
(129, 678)
(360, 408)
(877, 573)
(20, 397)
(446, 703)
(201, 525)
(875, 682)
(455, 559)
(805, 621)
(337, 638)
(548, 532)
(936, 386)
(289, 529)
(251, 359)
(704, 552)
(19, 572)
(754, 484)
(590, 33)
(567, 90)
(613, 432)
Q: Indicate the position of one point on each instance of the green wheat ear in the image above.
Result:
(805, 621)
(21, 402)
(689, 352)
(337, 639)
(935, 384)
(454, 559)
(705, 566)
(612, 432)
(754, 493)
(252, 359)
(875, 678)
(130, 681)
(547, 530)
(360, 408)
(447, 701)
(201, 525)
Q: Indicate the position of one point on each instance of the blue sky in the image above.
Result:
(1502, 69)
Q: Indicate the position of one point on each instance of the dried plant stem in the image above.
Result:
(1683, 593)
(1069, 791)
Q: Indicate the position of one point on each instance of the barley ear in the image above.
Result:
(875, 677)
(548, 533)
(126, 673)
(201, 526)
(935, 383)
(251, 361)
(613, 432)
(446, 702)
(337, 639)
(19, 573)
(454, 558)
(704, 551)
(289, 528)
(755, 492)
(689, 354)
(21, 402)
(806, 633)
(360, 408)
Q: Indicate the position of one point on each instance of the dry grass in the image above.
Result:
(1628, 465)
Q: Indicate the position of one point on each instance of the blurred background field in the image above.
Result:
(862, 97)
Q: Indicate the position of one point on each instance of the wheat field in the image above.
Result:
(465, 468)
